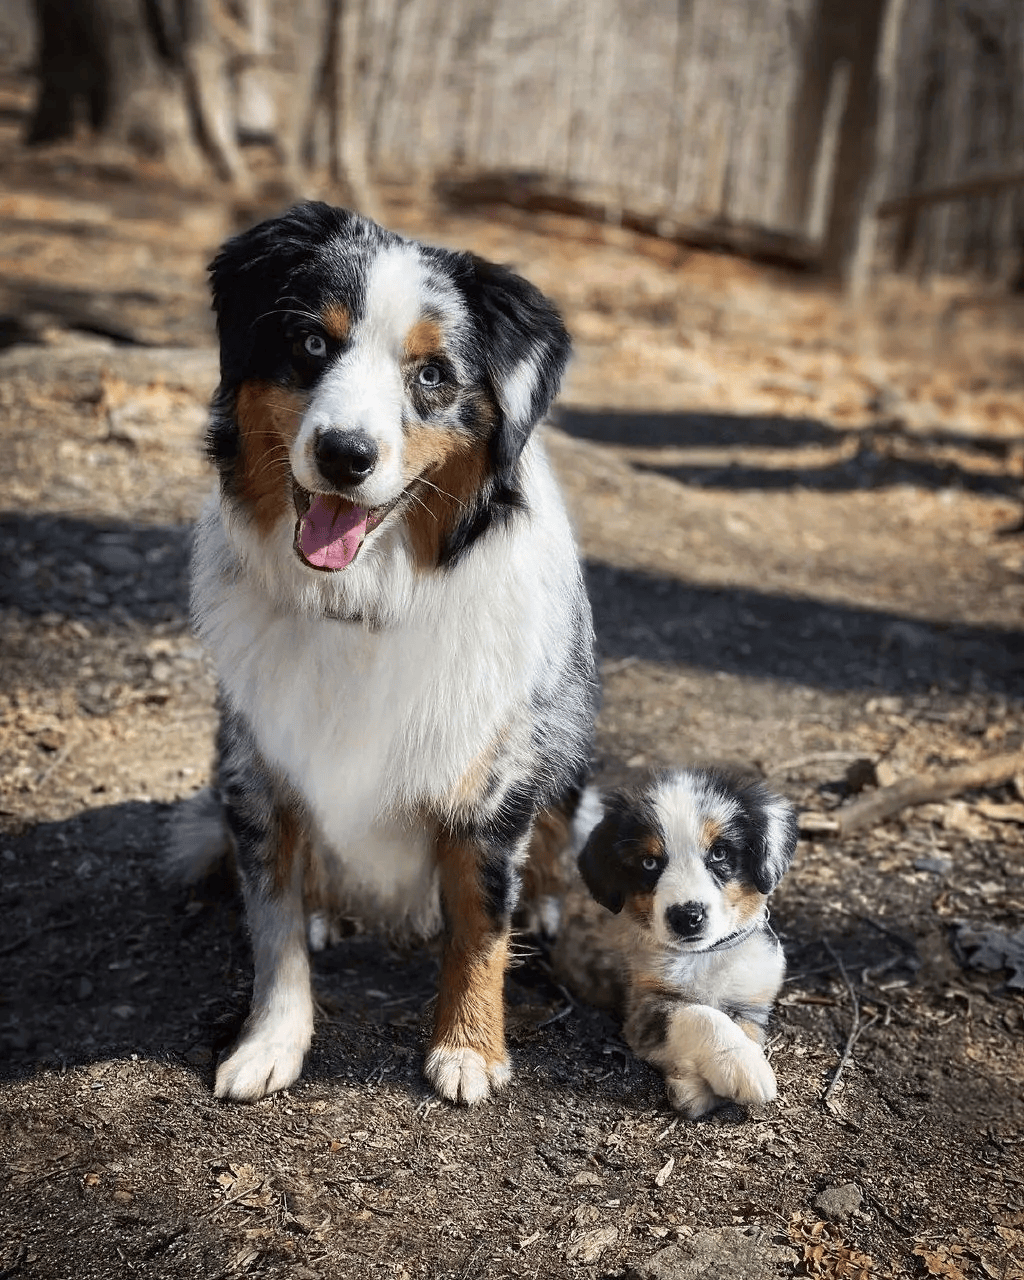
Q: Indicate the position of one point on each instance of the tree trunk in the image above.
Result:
(111, 64)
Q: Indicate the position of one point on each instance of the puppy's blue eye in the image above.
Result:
(650, 864)
(431, 376)
(717, 854)
(315, 346)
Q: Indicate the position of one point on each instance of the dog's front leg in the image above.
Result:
(270, 849)
(467, 1056)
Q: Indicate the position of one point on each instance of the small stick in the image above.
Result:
(818, 757)
(856, 1028)
(919, 788)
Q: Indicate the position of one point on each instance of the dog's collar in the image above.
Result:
(741, 935)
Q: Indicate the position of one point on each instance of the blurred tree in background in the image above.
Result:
(775, 126)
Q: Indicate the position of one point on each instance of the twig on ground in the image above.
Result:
(818, 757)
(857, 1029)
(918, 788)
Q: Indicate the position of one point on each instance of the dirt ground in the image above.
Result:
(792, 519)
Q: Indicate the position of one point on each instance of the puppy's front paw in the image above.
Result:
(742, 1073)
(691, 1095)
(261, 1063)
(463, 1075)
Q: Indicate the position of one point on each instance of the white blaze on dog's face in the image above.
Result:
(367, 379)
(691, 857)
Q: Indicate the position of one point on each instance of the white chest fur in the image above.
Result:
(374, 727)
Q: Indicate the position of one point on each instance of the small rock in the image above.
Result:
(736, 1252)
(587, 1248)
(937, 866)
(838, 1203)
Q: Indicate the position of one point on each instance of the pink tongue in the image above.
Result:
(331, 531)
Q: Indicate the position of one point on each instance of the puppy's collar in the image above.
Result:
(741, 935)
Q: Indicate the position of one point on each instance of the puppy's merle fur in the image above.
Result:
(683, 866)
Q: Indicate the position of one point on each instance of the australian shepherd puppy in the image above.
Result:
(683, 866)
(388, 585)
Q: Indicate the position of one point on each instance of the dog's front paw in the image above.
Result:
(692, 1095)
(260, 1063)
(463, 1075)
(742, 1074)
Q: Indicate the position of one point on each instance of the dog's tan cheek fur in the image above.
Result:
(744, 900)
(470, 1002)
(454, 469)
(268, 420)
(641, 907)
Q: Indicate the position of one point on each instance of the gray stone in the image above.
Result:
(840, 1202)
(740, 1253)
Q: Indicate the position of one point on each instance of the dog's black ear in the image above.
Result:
(251, 273)
(774, 839)
(601, 865)
(525, 349)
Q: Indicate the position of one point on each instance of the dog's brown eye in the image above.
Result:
(431, 375)
(315, 346)
(650, 863)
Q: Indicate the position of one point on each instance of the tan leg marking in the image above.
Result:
(467, 1048)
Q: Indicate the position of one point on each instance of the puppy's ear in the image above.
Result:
(525, 349)
(250, 275)
(600, 864)
(774, 841)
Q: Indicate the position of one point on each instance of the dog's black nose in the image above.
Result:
(686, 919)
(344, 457)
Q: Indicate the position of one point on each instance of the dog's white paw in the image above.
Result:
(691, 1095)
(463, 1075)
(742, 1073)
(261, 1063)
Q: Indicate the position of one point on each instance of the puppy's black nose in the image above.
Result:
(344, 457)
(686, 919)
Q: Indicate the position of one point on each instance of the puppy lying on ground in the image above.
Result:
(685, 864)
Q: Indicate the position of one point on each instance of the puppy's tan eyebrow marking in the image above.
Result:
(336, 320)
(710, 832)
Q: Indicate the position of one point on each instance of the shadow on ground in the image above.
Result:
(112, 572)
(884, 454)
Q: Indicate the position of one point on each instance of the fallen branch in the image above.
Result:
(537, 193)
(988, 184)
(919, 788)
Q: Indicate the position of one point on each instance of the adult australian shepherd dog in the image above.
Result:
(388, 585)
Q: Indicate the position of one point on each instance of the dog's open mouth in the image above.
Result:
(330, 530)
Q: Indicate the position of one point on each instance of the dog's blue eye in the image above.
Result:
(650, 864)
(315, 346)
(431, 376)
(717, 854)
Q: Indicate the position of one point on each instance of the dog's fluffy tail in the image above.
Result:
(199, 839)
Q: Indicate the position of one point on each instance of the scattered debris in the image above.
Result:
(991, 949)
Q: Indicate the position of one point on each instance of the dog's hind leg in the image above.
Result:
(271, 848)
(467, 1056)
